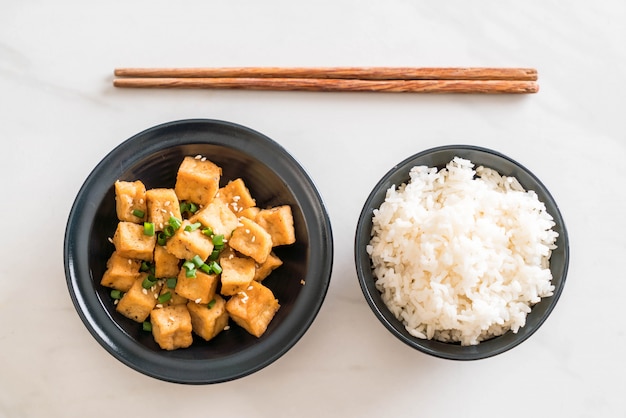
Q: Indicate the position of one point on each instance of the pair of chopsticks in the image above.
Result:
(481, 80)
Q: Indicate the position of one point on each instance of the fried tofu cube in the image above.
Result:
(171, 327)
(130, 196)
(250, 213)
(199, 289)
(166, 264)
(237, 273)
(208, 320)
(278, 221)
(253, 309)
(162, 204)
(263, 270)
(252, 240)
(137, 303)
(237, 196)
(187, 244)
(131, 242)
(197, 180)
(121, 272)
(218, 217)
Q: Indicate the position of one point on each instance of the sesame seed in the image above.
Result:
(163, 210)
(203, 159)
(171, 318)
(197, 157)
(253, 238)
(141, 201)
(236, 198)
(227, 327)
(231, 256)
(158, 305)
(302, 282)
(247, 231)
(167, 203)
(198, 300)
(161, 225)
(130, 261)
(110, 240)
(116, 301)
(156, 296)
(144, 291)
(250, 288)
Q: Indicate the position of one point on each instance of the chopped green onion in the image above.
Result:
(161, 238)
(217, 269)
(197, 260)
(168, 230)
(218, 241)
(164, 297)
(148, 229)
(171, 282)
(147, 326)
(144, 266)
(184, 207)
(117, 294)
(148, 282)
(211, 304)
(175, 222)
(193, 227)
(214, 255)
(138, 213)
(205, 268)
(191, 269)
(193, 208)
(188, 207)
(207, 231)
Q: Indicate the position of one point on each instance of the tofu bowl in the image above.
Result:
(463, 258)
(192, 290)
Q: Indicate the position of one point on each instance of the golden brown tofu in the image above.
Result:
(197, 180)
(278, 222)
(130, 196)
(237, 196)
(208, 320)
(251, 240)
(253, 309)
(187, 244)
(199, 289)
(130, 241)
(263, 270)
(121, 272)
(171, 327)
(250, 213)
(237, 273)
(137, 303)
(166, 264)
(218, 217)
(162, 204)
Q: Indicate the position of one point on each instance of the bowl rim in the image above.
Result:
(485, 349)
(104, 329)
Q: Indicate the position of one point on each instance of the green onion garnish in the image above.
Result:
(161, 238)
(171, 282)
(190, 267)
(138, 213)
(147, 326)
(193, 227)
(148, 282)
(164, 297)
(117, 294)
(175, 222)
(218, 241)
(144, 266)
(197, 260)
(168, 230)
(205, 268)
(217, 269)
(211, 304)
(207, 231)
(214, 255)
(148, 229)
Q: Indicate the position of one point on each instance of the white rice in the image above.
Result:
(461, 255)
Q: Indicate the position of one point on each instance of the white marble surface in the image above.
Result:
(60, 116)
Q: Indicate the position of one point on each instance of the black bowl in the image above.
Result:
(439, 157)
(273, 176)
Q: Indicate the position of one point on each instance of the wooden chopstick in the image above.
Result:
(360, 73)
(336, 79)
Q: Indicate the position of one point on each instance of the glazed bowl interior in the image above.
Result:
(273, 177)
(439, 157)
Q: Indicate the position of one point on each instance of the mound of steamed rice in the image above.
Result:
(461, 254)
